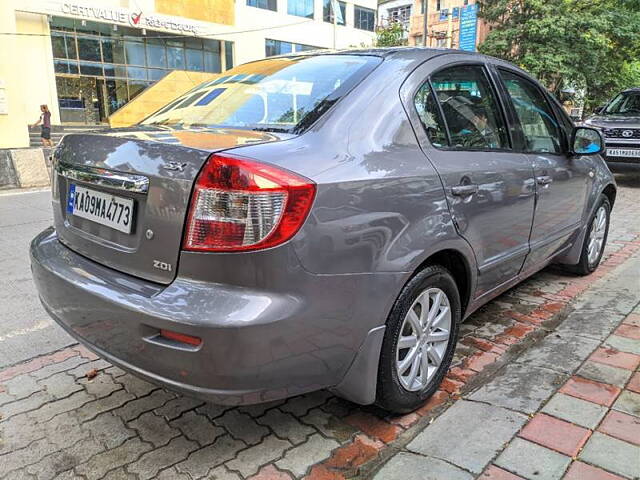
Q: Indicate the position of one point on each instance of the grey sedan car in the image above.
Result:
(318, 221)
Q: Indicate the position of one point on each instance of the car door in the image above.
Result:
(562, 182)
(462, 128)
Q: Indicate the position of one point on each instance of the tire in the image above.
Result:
(396, 392)
(588, 264)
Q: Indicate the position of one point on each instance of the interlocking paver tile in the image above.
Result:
(26, 456)
(423, 468)
(201, 461)
(584, 471)
(575, 410)
(622, 426)
(481, 432)
(91, 410)
(22, 386)
(496, 473)
(596, 392)
(520, 387)
(329, 425)
(100, 386)
(17, 432)
(65, 459)
(135, 385)
(64, 430)
(286, 426)
(108, 429)
(119, 474)
(612, 454)
(250, 460)
(530, 460)
(176, 407)
(135, 408)
(624, 344)
(172, 474)
(602, 373)
(96, 467)
(628, 402)
(198, 428)
(242, 427)
(49, 410)
(300, 458)
(556, 434)
(59, 385)
(154, 429)
(615, 358)
(152, 462)
(301, 405)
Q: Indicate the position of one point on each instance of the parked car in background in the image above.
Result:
(619, 122)
(323, 220)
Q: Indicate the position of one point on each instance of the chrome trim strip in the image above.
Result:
(104, 178)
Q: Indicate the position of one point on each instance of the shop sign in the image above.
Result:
(136, 19)
(468, 27)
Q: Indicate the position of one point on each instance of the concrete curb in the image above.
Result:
(23, 168)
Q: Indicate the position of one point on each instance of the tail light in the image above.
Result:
(240, 204)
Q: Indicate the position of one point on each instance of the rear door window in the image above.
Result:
(539, 126)
(470, 108)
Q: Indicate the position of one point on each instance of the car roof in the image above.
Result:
(633, 89)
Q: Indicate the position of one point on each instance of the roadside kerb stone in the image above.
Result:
(520, 387)
(480, 432)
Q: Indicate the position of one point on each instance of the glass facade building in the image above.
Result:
(99, 67)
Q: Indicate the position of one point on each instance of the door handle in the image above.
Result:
(544, 180)
(464, 190)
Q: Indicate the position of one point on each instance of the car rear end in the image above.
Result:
(171, 252)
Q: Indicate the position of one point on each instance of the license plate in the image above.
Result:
(623, 152)
(99, 207)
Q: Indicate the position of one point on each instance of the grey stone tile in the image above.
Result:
(286, 426)
(628, 402)
(101, 463)
(624, 344)
(242, 427)
(198, 428)
(612, 454)
(299, 459)
(520, 387)
(575, 410)
(423, 468)
(109, 430)
(604, 373)
(533, 461)
(154, 429)
(596, 325)
(562, 353)
(480, 433)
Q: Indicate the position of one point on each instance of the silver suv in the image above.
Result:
(619, 121)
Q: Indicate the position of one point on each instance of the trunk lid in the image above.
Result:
(150, 169)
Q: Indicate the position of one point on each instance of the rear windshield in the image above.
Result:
(279, 94)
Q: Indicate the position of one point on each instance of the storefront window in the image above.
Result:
(101, 66)
(89, 49)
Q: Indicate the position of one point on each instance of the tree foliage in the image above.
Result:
(391, 35)
(589, 44)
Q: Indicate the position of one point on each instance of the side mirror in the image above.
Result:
(599, 110)
(586, 141)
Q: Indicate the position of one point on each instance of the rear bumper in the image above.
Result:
(257, 345)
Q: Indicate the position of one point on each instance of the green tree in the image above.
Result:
(391, 35)
(589, 44)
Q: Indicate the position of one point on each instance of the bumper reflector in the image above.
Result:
(181, 337)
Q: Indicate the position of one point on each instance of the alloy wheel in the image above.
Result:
(424, 337)
(596, 235)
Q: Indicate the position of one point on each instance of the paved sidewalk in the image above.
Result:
(68, 415)
(569, 407)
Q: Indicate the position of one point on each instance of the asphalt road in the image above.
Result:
(27, 331)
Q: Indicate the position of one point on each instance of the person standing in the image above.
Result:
(45, 121)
